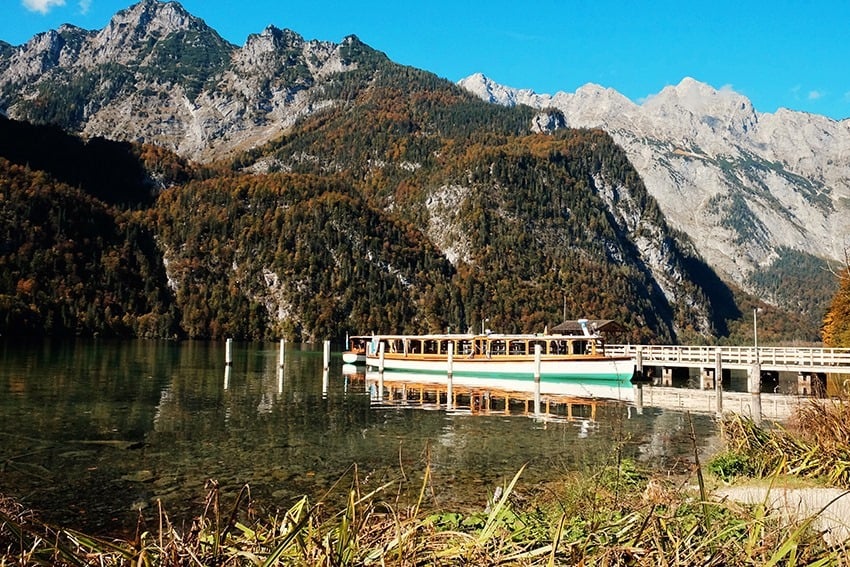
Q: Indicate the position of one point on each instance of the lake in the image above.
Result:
(92, 431)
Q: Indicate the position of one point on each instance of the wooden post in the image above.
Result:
(381, 371)
(282, 354)
(667, 376)
(228, 352)
(639, 362)
(449, 380)
(537, 379)
(718, 380)
(639, 398)
(327, 355)
(755, 390)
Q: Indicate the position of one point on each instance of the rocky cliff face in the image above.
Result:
(157, 74)
(743, 185)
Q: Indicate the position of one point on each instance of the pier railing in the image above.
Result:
(771, 358)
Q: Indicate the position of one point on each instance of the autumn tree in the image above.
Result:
(836, 324)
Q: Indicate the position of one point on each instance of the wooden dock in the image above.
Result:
(658, 365)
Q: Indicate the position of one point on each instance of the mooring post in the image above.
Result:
(718, 380)
(227, 369)
(755, 390)
(639, 398)
(327, 355)
(381, 371)
(228, 352)
(537, 379)
(449, 379)
(639, 363)
(282, 355)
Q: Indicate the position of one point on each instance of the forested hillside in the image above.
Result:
(74, 265)
(407, 205)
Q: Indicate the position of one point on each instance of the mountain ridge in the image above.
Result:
(743, 184)
(520, 208)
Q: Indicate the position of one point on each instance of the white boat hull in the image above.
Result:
(608, 378)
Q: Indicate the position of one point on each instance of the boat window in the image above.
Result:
(465, 347)
(429, 347)
(497, 347)
(579, 347)
(517, 347)
(557, 347)
(532, 345)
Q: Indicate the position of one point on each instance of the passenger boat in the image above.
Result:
(566, 364)
(355, 349)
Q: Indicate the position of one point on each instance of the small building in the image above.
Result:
(609, 330)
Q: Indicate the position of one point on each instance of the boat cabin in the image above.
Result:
(492, 345)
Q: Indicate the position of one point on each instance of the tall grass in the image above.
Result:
(815, 444)
(616, 516)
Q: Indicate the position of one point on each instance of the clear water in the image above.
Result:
(93, 431)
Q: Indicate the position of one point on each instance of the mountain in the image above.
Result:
(158, 74)
(756, 192)
(339, 192)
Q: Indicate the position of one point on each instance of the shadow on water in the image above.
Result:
(92, 431)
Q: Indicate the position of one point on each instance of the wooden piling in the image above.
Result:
(755, 390)
(327, 355)
(228, 352)
(282, 354)
(718, 380)
(537, 349)
(449, 380)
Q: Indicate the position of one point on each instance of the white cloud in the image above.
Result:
(85, 5)
(42, 6)
(814, 95)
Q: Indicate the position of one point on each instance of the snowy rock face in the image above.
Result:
(740, 183)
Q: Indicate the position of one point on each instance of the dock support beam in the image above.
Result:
(449, 379)
(718, 380)
(537, 379)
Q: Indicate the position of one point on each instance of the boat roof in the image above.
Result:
(470, 336)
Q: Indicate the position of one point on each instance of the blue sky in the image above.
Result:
(792, 54)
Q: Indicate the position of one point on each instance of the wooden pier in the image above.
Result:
(811, 365)
(815, 372)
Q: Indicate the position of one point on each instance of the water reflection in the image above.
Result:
(92, 430)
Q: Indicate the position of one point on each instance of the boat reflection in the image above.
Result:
(476, 397)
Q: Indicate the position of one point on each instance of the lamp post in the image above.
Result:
(756, 332)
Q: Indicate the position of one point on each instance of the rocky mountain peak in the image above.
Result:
(273, 39)
(745, 186)
(493, 92)
(702, 105)
(130, 31)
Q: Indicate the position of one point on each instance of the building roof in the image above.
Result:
(594, 325)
